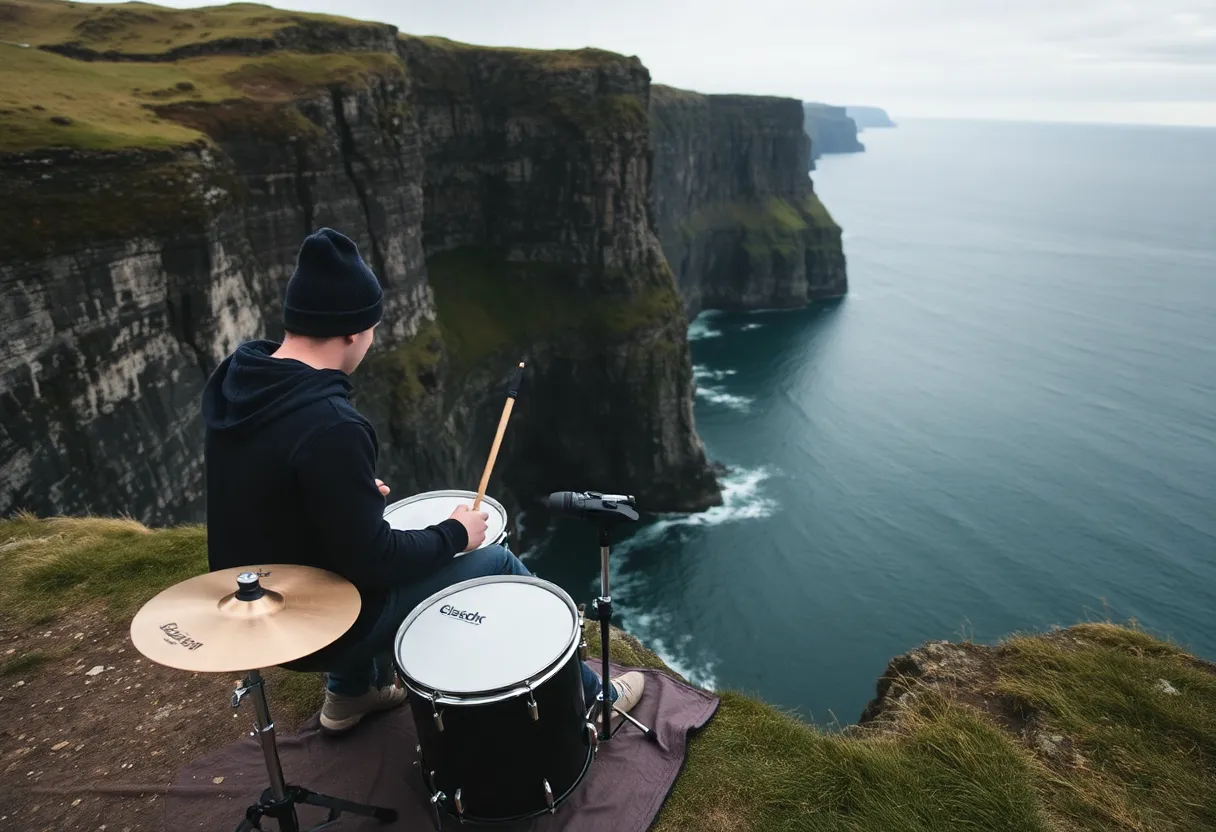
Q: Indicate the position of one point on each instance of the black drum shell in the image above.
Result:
(498, 756)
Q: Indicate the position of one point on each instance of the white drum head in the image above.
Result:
(433, 507)
(487, 634)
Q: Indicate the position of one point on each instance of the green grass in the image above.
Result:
(757, 769)
(772, 225)
(548, 59)
(143, 28)
(487, 305)
(112, 106)
(61, 563)
(1147, 758)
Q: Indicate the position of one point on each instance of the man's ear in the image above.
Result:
(349, 340)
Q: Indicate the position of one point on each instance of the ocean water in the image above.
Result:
(1008, 424)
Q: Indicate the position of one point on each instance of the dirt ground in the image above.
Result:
(91, 738)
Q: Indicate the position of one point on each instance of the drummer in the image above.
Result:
(290, 478)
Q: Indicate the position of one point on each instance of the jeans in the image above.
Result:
(360, 673)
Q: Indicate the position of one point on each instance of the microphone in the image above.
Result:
(575, 502)
(593, 504)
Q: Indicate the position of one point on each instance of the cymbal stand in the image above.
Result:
(607, 512)
(280, 800)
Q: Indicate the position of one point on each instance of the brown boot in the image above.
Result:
(628, 690)
(341, 713)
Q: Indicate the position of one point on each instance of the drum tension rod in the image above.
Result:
(532, 703)
(435, 714)
(549, 798)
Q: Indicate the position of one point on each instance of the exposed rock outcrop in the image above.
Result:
(737, 214)
(830, 129)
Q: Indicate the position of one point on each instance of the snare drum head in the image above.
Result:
(433, 507)
(487, 634)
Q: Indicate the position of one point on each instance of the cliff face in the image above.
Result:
(136, 254)
(737, 215)
(831, 130)
(869, 117)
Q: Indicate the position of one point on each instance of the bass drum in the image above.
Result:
(492, 670)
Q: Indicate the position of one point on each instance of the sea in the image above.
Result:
(1009, 423)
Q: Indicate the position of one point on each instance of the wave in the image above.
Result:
(699, 330)
(717, 395)
(742, 499)
(749, 327)
(700, 372)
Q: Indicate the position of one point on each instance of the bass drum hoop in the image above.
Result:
(558, 800)
(487, 697)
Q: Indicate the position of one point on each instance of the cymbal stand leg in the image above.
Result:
(280, 800)
(264, 732)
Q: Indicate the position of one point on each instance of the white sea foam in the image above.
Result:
(702, 373)
(742, 499)
(749, 327)
(702, 326)
(716, 395)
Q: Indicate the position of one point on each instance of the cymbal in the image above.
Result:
(215, 623)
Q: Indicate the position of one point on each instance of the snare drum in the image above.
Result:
(491, 667)
(431, 508)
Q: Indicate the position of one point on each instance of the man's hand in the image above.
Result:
(474, 523)
(384, 489)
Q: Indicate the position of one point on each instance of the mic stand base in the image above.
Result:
(598, 714)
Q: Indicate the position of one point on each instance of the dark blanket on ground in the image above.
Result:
(623, 792)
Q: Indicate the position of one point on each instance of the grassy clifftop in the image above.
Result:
(1096, 727)
(103, 77)
(93, 77)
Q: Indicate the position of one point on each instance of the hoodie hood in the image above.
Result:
(250, 389)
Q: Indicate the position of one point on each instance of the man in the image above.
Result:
(290, 467)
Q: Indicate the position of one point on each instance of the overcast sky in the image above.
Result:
(1141, 61)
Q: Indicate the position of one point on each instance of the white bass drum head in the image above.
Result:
(433, 507)
(486, 635)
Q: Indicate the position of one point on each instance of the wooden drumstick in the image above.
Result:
(502, 428)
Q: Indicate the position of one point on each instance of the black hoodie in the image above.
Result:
(291, 478)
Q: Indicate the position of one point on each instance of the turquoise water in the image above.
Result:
(1009, 424)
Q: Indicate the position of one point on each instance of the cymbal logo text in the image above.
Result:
(174, 634)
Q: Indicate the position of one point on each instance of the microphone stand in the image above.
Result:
(608, 511)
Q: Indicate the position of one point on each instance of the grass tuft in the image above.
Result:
(51, 566)
(757, 769)
(1147, 757)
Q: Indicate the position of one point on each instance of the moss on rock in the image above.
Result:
(487, 304)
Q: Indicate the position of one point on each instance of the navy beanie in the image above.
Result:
(332, 291)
